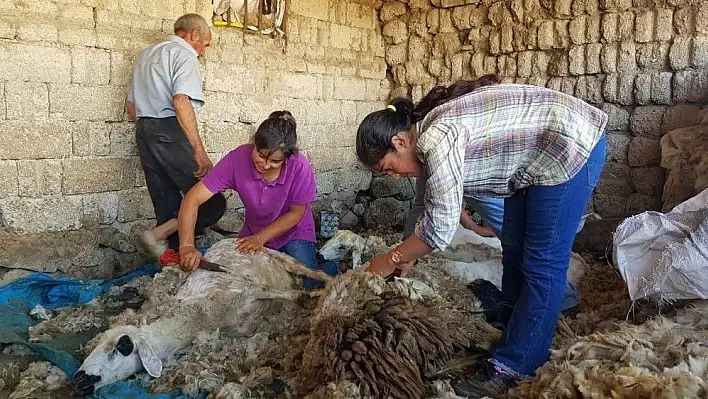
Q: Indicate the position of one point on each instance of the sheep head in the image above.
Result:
(343, 245)
(346, 244)
(123, 351)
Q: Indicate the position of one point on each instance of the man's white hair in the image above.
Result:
(187, 22)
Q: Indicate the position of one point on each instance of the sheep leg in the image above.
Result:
(302, 270)
(292, 295)
(279, 294)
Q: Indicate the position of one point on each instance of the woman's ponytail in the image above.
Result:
(376, 131)
(439, 95)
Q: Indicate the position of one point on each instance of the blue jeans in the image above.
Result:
(491, 210)
(306, 253)
(540, 223)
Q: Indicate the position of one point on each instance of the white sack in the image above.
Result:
(665, 256)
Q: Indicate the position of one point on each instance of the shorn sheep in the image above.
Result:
(205, 301)
(403, 322)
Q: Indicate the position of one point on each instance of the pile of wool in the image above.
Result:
(232, 390)
(209, 362)
(661, 358)
(604, 300)
(159, 291)
(347, 390)
(95, 314)
(70, 320)
(339, 390)
(10, 375)
(442, 389)
(604, 304)
(43, 380)
(430, 270)
(385, 337)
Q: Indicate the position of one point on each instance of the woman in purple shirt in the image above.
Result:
(276, 184)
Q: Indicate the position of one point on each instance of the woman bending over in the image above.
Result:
(540, 150)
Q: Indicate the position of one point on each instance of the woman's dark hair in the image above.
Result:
(277, 133)
(373, 138)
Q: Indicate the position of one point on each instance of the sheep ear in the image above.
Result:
(150, 361)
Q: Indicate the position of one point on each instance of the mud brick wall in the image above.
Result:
(72, 193)
(642, 61)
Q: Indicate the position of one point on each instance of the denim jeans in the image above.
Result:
(540, 223)
(306, 253)
(491, 210)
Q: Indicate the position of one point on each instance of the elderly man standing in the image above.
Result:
(165, 89)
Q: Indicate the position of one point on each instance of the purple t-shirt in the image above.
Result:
(265, 201)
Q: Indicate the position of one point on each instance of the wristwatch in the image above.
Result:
(396, 256)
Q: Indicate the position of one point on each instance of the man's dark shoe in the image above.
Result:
(486, 381)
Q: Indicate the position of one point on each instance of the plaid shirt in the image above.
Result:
(495, 141)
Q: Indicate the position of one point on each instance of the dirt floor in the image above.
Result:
(216, 358)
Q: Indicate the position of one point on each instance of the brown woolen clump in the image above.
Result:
(386, 344)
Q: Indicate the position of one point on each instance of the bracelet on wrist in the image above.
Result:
(186, 245)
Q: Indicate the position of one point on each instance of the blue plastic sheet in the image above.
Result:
(132, 389)
(54, 293)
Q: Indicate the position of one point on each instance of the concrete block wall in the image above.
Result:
(642, 61)
(68, 160)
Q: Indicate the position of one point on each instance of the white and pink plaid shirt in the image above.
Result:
(495, 141)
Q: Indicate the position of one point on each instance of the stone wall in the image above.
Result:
(72, 193)
(641, 61)
(387, 202)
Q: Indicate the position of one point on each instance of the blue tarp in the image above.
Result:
(54, 293)
(19, 297)
(132, 389)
